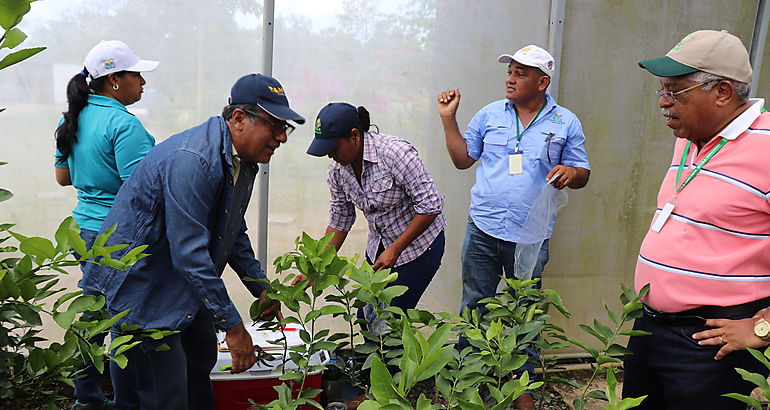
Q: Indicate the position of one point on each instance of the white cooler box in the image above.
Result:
(232, 391)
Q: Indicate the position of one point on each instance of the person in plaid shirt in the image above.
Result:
(383, 176)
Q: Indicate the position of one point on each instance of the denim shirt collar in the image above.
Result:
(103, 101)
(227, 143)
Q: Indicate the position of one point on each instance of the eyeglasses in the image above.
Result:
(278, 128)
(670, 97)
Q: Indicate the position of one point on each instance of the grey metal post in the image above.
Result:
(555, 37)
(263, 178)
(758, 41)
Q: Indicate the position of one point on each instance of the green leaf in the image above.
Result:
(113, 263)
(77, 243)
(11, 287)
(391, 292)
(27, 289)
(5, 195)
(635, 333)
(423, 403)
(755, 378)
(605, 330)
(746, 399)
(613, 316)
(132, 253)
(29, 315)
(13, 38)
(597, 394)
(38, 246)
(120, 360)
(62, 241)
(102, 239)
(12, 11)
(616, 349)
(19, 56)
(36, 359)
(381, 382)
(594, 333)
(119, 341)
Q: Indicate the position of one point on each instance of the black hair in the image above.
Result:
(77, 99)
(364, 121)
(249, 109)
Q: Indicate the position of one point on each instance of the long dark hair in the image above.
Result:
(77, 98)
(364, 120)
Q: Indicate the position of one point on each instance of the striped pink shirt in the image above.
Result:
(714, 249)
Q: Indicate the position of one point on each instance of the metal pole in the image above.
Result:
(758, 42)
(555, 37)
(263, 178)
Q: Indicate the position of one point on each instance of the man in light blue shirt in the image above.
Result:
(523, 141)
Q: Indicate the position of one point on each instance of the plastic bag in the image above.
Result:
(535, 230)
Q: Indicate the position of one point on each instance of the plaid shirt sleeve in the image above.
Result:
(410, 172)
(342, 213)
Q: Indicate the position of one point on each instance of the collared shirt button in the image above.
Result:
(222, 320)
(227, 211)
(189, 316)
(220, 237)
(205, 300)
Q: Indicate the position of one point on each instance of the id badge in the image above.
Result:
(515, 163)
(665, 213)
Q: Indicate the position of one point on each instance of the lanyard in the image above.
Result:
(697, 167)
(519, 134)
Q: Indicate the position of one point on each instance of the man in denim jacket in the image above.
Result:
(179, 202)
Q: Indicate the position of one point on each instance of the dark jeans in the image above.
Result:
(484, 259)
(676, 373)
(174, 379)
(415, 275)
(87, 388)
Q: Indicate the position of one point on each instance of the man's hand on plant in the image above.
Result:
(272, 310)
(241, 348)
(731, 334)
(299, 278)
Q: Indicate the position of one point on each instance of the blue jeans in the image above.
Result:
(484, 260)
(677, 373)
(415, 275)
(87, 388)
(172, 379)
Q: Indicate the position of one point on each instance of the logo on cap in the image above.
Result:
(318, 126)
(681, 44)
(277, 90)
(550, 65)
(525, 49)
(109, 64)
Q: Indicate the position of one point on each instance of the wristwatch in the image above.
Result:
(762, 329)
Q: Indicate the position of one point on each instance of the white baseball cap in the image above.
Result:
(532, 56)
(114, 56)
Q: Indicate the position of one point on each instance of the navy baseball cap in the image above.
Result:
(267, 93)
(333, 122)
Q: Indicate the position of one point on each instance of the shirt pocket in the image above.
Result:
(384, 193)
(552, 148)
(496, 135)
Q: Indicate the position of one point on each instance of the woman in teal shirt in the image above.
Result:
(98, 144)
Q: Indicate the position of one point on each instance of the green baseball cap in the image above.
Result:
(714, 52)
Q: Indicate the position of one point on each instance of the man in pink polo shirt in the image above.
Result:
(706, 256)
